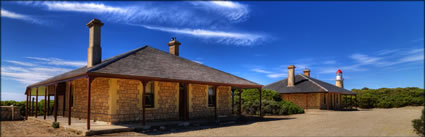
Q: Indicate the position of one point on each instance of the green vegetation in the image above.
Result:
(21, 105)
(55, 124)
(418, 124)
(389, 97)
(272, 104)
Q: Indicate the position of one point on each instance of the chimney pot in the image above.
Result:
(291, 77)
(174, 46)
(94, 55)
(307, 72)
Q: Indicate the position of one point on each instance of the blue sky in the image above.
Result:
(375, 44)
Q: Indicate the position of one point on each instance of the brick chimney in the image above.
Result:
(94, 55)
(307, 72)
(174, 46)
(291, 75)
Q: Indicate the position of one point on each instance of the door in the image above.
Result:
(183, 102)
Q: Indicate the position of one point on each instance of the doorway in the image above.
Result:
(183, 102)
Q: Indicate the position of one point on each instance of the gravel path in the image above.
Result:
(373, 122)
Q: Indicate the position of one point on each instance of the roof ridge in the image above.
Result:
(118, 57)
(206, 66)
(314, 82)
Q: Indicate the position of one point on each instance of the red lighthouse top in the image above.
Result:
(339, 71)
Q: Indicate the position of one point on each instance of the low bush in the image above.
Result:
(389, 97)
(418, 125)
(55, 124)
(272, 104)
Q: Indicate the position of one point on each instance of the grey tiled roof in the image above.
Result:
(304, 84)
(151, 62)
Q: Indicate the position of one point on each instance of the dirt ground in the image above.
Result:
(373, 122)
(31, 128)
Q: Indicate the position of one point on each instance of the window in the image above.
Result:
(211, 96)
(337, 99)
(149, 95)
(324, 98)
(72, 96)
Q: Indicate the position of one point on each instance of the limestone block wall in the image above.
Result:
(224, 100)
(126, 101)
(166, 102)
(99, 104)
(300, 99)
(198, 102)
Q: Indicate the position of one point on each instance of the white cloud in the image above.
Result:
(364, 59)
(260, 71)
(38, 70)
(277, 75)
(29, 75)
(387, 51)
(13, 15)
(59, 62)
(84, 7)
(233, 11)
(200, 14)
(230, 38)
(20, 63)
(413, 51)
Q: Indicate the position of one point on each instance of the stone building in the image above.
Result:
(145, 84)
(311, 93)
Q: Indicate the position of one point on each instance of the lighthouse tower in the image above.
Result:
(339, 79)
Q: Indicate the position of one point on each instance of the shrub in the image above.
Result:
(55, 124)
(272, 104)
(418, 124)
(389, 97)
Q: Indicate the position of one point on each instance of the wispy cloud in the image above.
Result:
(234, 11)
(13, 15)
(387, 51)
(364, 59)
(277, 75)
(20, 63)
(202, 19)
(270, 74)
(260, 71)
(230, 38)
(28, 75)
(37, 69)
(414, 51)
(59, 62)
(84, 7)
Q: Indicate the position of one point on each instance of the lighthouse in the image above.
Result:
(339, 79)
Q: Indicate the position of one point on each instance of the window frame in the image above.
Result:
(213, 101)
(152, 94)
(324, 98)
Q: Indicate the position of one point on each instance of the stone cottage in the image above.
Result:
(145, 84)
(311, 93)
